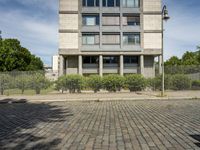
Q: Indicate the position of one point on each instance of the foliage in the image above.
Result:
(73, 83)
(5, 81)
(180, 82)
(156, 83)
(196, 84)
(15, 57)
(61, 84)
(39, 82)
(94, 82)
(135, 82)
(113, 83)
(23, 82)
(173, 61)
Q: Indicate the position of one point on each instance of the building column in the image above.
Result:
(160, 64)
(142, 64)
(101, 65)
(61, 65)
(80, 65)
(121, 65)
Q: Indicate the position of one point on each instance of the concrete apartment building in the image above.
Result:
(109, 36)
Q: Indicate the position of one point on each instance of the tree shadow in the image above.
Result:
(22, 125)
(197, 138)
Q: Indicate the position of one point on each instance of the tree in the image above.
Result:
(5, 81)
(39, 82)
(15, 57)
(189, 58)
(23, 82)
(173, 61)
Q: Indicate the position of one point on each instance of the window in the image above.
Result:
(111, 3)
(131, 39)
(110, 60)
(90, 39)
(130, 59)
(131, 3)
(110, 39)
(90, 59)
(90, 3)
(131, 20)
(110, 20)
(90, 20)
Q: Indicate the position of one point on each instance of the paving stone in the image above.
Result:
(145, 125)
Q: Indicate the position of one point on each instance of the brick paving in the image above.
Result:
(111, 125)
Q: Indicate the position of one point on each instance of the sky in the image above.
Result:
(35, 24)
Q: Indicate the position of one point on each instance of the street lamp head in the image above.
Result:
(165, 13)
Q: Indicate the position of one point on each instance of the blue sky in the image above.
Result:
(35, 24)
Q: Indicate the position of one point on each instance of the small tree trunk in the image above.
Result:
(2, 91)
(22, 91)
(37, 91)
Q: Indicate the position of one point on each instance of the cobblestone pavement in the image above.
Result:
(101, 125)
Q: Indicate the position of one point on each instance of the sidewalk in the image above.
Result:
(104, 96)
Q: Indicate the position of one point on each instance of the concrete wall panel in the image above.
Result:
(152, 22)
(152, 40)
(69, 5)
(68, 21)
(151, 5)
(68, 40)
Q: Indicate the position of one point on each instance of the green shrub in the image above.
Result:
(61, 84)
(113, 83)
(94, 82)
(156, 83)
(74, 83)
(135, 82)
(180, 82)
(196, 84)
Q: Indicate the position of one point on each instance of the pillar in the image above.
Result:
(80, 65)
(142, 64)
(61, 65)
(121, 65)
(101, 65)
(160, 64)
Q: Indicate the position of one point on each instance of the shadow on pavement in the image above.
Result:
(30, 125)
(197, 138)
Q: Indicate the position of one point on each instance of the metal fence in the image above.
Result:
(36, 82)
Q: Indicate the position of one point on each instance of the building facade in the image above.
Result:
(109, 36)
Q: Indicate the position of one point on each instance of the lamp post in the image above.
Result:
(165, 17)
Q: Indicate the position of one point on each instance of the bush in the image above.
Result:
(113, 83)
(94, 82)
(180, 82)
(61, 84)
(196, 85)
(135, 82)
(156, 83)
(74, 83)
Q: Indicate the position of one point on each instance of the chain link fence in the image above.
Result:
(41, 82)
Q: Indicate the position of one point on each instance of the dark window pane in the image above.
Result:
(86, 60)
(118, 3)
(97, 2)
(104, 3)
(90, 3)
(84, 2)
(97, 20)
(110, 3)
